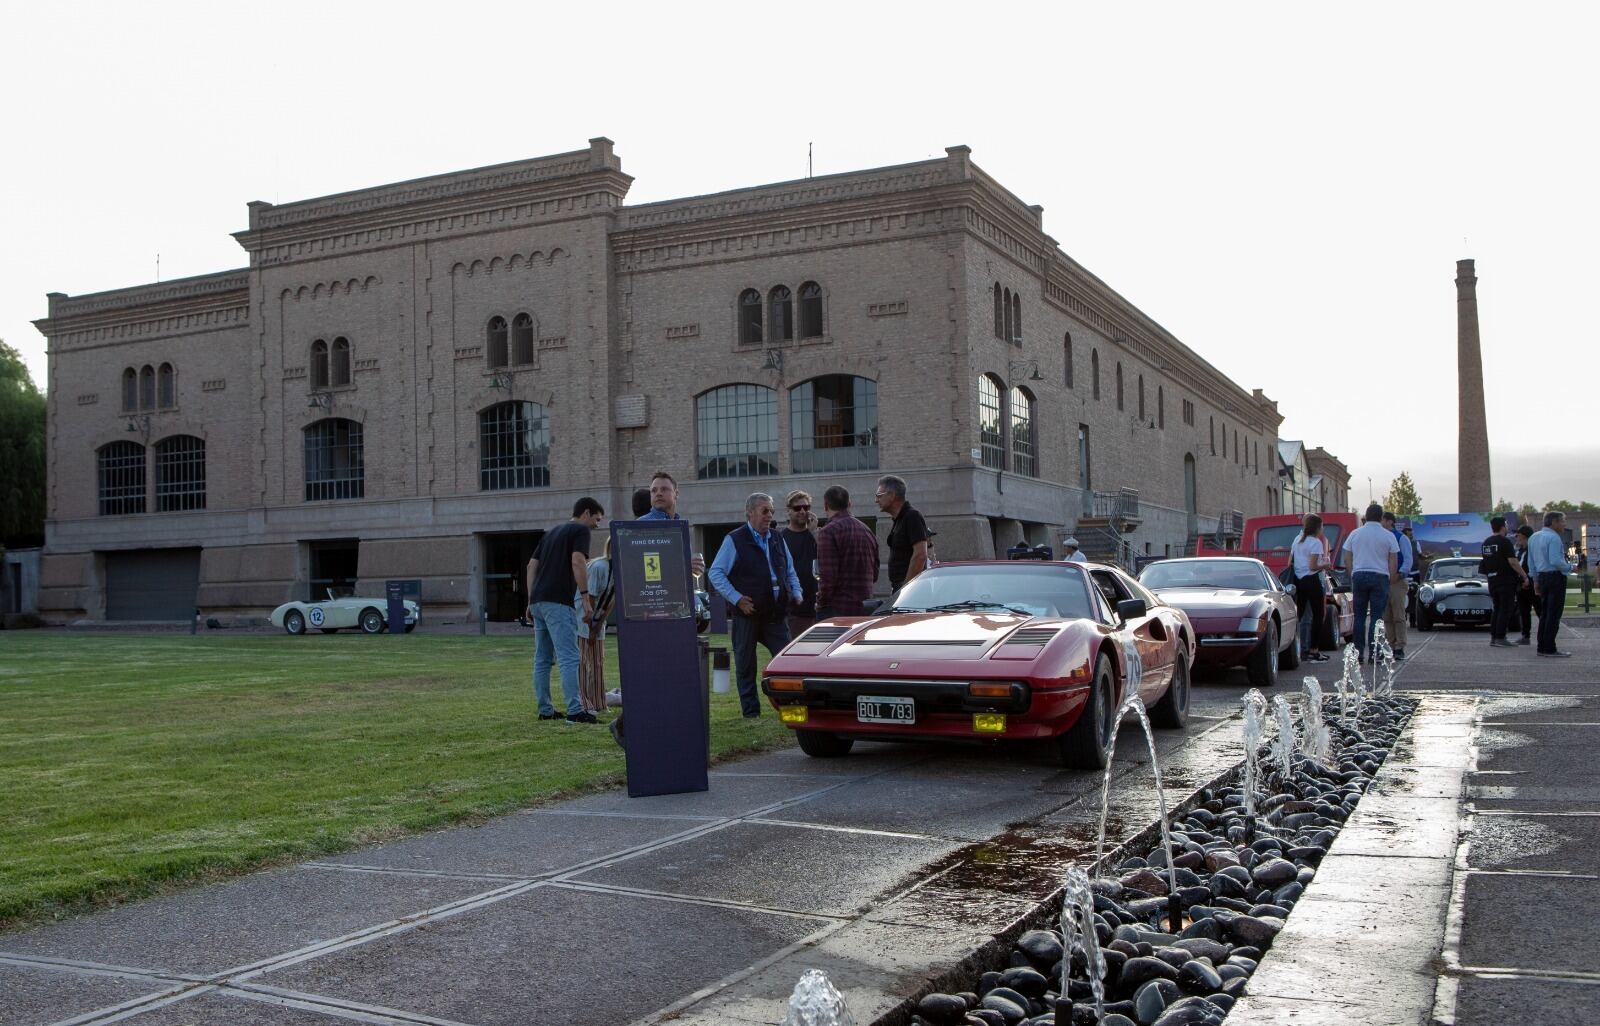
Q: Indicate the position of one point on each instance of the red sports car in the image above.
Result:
(1240, 612)
(991, 651)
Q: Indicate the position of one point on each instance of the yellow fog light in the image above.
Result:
(989, 723)
(791, 714)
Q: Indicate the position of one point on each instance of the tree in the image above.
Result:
(1403, 500)
(1561, 504)
(1529, 513)
(21, 453)
(1503, 507)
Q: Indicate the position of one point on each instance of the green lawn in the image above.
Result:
(129, 762)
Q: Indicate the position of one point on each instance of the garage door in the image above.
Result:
(152, 584)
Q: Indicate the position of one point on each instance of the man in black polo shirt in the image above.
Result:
(1504, 570)
(908, 538)
(558, 578)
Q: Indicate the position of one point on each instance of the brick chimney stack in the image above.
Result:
(1475, 493)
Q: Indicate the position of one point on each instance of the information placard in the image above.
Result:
(652, 561)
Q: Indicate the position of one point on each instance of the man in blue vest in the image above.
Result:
(754, 572)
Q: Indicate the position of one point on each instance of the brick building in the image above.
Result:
(414, 380)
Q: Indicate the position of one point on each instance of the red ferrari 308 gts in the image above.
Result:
(991, 650)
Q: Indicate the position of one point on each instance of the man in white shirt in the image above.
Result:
(1374, 558)
(1070, 552)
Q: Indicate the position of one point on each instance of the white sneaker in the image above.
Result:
(614, 696)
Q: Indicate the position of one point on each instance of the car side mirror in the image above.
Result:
(1131, 609)
(871, 606)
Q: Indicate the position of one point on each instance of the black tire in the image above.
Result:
(1172, 712)
(328, 630)
(1263, 665)
(294, 622)
(1087, 745)
(819, 744)
(1289, 658)
(371, 621)
(1424, 618)
(410, 627)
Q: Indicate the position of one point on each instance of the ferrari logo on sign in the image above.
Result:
(652, 567)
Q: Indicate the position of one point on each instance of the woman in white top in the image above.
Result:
(1309, 554)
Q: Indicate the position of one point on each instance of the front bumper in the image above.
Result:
(944, 708)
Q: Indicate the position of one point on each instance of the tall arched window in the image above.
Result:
(1010, 325)
(811, 310)
(1094, 370)
(991, 428)
(1119, 385)
(1211, 426)
(833, 424)
(749, 318)
(522, 339)
(147, 387)
(1161, 407)
(1191, 487)
(180, 474)
(496, 342)
(130, 390)
(1141, 399)
(334, 465)
(999, 312)
(1024, 454)
(319, 364)
(340, 373)
(166, 387)
(737, 432)
(1066, 350)
(513, 447)
(121, 472)
(780, 313)
(1016, 317)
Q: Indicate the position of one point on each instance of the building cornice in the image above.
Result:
(202, 303)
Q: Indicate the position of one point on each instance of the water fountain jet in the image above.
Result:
(1135, 705)
(816, 1002)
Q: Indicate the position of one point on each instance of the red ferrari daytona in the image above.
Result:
(990, 651)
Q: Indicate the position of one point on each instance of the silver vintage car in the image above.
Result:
(1454, 592)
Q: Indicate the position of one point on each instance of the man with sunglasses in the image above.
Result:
(798, 535)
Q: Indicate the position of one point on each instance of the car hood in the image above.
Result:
(1472, 584)
(1212, 601)
(920, 636)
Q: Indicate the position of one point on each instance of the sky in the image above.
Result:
(1284, 187)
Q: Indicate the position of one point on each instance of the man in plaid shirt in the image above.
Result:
(847, 557)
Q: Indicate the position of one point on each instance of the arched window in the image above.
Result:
(1141, 399)
(147, 387)
(1066, 350)
(522, 339)
(991, 428)
(166, 387)
(780, 303)
(335, 468)
(1016, 317)
(497, 344)
(1211, 425)
(130, 390)
(1010, 326)
(1094, 370)
(1191, 487)
(1024, 455)
(340, 372)
(1161, 407)
(999, 312)
(1236, 445)
(1119, 385)
(513, 447)
(811, 310)
(180, 474)
(121, 466)
(737, 431)
(749, 318)
(833, 424)
(319, 364)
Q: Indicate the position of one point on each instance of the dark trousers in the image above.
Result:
(746, 631)
(799, 623)
(847, 607)
(1503, 593)
(1308, 599)
(1371, 592)
(1525, 611)
(1552, 596)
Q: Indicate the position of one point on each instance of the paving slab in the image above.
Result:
(1537, 922)
(866, 758)
(524, 845)
(230, 1008)
(210, 929)
(33, 995)
(1497, 1001)
(550, 955)
(831, 872)
(1498, 710)
(949, 808)
(729, 796)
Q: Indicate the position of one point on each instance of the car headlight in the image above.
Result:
(1251, 625)
(1426, 593)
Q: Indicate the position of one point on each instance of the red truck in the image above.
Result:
(1268, 539)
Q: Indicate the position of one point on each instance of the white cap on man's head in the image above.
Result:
(1071, 543)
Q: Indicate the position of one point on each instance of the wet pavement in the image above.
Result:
(1460, 892)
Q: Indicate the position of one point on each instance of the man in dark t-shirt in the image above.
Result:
(802, 542)
(1504, 571)
(559, 571)
(908, 538)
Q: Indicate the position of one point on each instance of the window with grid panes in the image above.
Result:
(833, 424)
(180, 474)
(1024, 457)
(335, 467)
(991, 430)
(513, 447)
(122, 488)
(736, 432)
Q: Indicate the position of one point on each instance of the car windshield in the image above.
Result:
(1282, 536)
(1205, 573)
(1454, 570)
(1036, 588)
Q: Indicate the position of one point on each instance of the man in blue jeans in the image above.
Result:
(1373, 557)
(558, 571)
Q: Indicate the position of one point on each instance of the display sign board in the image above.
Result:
(1454, 534)
(658, 658)
(397, 592)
